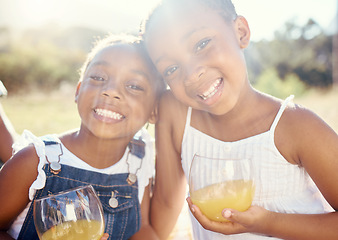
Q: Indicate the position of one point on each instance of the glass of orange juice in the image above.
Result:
(218, 183)
(73, 214)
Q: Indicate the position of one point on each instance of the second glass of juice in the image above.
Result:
(73, 214)
(218, 183)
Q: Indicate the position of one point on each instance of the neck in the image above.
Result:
(245, 105)
(233, 125)
(97, 152)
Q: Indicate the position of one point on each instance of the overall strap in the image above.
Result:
(280, 112)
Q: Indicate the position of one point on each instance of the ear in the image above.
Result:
(242, 31)
(154, 115)
(77, 91)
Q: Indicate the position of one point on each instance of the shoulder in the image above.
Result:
(168, 103)
(23, 163)
(303, 132)
(302, 120)
(16, 177)
(172, 118)
(172, 112)
(314, 145)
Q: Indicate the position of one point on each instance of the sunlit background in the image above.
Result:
(264, 16)
(43, 43)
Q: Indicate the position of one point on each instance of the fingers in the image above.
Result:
(238, 222)
(105, 236)
(220, 227)
(232, 215)
(227, 213)
(197, 212)
(248, 219)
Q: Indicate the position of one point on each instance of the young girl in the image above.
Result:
(212, 110)
(116, 96)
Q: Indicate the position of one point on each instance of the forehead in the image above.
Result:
(121, 52)
(173, 24)
(176, 15)
(125, 58)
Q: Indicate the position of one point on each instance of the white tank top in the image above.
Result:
(280, 186)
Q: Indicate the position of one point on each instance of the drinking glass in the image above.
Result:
(215, 184)
(74, 214)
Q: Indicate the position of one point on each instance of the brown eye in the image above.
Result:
(135, 87)
(202, 44)
(169, 71)
(97, 78)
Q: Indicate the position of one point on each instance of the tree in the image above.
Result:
(301, 50)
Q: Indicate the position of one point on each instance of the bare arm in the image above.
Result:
(170, 183)
(146, 231)
(5, 236)
(7, 135)
(16, 176)
(314, 146)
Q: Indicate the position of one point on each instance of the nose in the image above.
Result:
(112, 89)
(194, 72)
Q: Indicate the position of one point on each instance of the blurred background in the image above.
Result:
(43, 43)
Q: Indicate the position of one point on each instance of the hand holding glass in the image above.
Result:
(215, 184)
(74, 214)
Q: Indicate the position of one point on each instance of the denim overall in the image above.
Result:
(121, 222)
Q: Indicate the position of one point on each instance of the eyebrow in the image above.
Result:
(188, 34)
(98, 63)
(139, 72)
(184, 37)
(159, 59)
(143, 74)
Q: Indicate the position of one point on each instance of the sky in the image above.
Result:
(264, 16)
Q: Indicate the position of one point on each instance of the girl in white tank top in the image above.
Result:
(198, 48)
(280, 186)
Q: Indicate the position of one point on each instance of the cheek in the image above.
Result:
(142, 106)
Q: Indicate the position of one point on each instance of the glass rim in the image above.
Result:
(66, 191)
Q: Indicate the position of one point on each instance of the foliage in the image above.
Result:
(43, 59)
(270, 83)
(304, 51)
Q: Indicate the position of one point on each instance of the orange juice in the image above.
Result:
(81, 229)
(236, 194)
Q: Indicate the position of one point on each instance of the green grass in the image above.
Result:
(42, 114)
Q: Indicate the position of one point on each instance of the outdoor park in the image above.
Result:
(299, 60)
(40, 69)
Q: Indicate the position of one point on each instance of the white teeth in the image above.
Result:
(211, 91)
(109, 114)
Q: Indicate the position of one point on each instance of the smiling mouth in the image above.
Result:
(108, 114)
(212, 90)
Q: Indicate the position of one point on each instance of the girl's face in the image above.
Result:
(200, 56)
(117, 95)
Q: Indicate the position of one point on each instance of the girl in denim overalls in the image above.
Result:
(116, 96)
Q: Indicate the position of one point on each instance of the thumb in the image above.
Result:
(232, 215)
